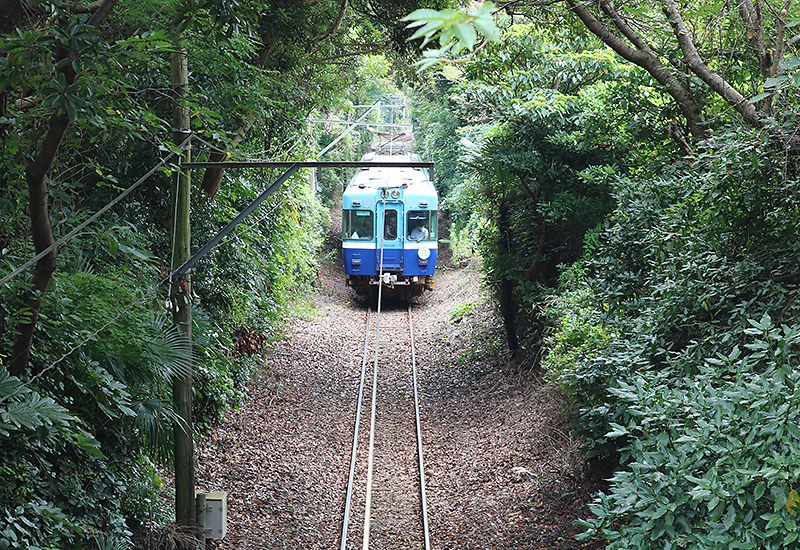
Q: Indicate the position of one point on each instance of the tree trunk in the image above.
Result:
(751, 18)
(507, 306)
(212, 178)
(337, 24)
(41, 230)
(10, 15)
(185, 511)
(537, 260)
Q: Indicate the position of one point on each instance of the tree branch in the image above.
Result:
(334, 28)
(755, 34)
(623, 27)
(91, 8)
(780, 45)
(706, 73)
(376, 48)
(646, 59)
(103, 11)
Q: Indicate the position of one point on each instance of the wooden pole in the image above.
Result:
(185, 511)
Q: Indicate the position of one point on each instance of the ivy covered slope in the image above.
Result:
(638, 222)
(86, 101)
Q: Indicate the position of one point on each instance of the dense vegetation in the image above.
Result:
(627, 172)
(88, 346)
(643, 248)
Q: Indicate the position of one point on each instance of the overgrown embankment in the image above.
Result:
(677, 341)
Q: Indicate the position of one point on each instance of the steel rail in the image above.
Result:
(372, 428)
(424, 502)
(349, 497)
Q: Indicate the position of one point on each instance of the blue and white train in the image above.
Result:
(389, 227)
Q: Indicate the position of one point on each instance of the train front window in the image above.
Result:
(358, 225)
(422, 225)
(390, 225)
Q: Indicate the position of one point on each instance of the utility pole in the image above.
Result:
(185, 513)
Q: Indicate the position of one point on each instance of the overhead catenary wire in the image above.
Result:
(347, 131)
(151, 292)
(94, 217)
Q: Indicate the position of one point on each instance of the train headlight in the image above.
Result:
(424, 253)
(395, 193)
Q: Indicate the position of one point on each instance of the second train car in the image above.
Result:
(390, 227)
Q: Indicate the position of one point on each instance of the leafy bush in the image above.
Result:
(675, 338)
(669, 275)
(580, 335)
(145, 502)
(74, 440)
(48, 461)
(712, 461)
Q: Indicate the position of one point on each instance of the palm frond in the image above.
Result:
(155, 422)
(170, 355)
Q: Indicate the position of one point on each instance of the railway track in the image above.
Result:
(385, 506)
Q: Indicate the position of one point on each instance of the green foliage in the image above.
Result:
(675, 332)
(146, 498)
(461, 310)
(787, 80)
(69, 437)
(24, 409)
(676, 340)
(535, 160)
(711, 460)
(438, 141)
(79, 436)
(540, 74)
(534, 188)
(253, 282)
(579, 332)
(454, 30)
(68, 467)
(40, 480)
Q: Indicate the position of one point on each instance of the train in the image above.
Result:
(390, 227)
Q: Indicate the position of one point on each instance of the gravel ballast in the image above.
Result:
(502, 471)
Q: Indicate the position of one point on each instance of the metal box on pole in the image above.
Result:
(215, 517)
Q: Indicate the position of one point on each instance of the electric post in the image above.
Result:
(185, 512)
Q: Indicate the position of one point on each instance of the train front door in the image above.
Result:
(390, 239)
